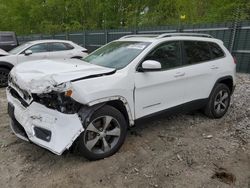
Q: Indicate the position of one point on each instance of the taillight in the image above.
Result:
(235, 60)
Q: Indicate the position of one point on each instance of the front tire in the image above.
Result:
(104, 135)
(4, 73)
(219, 101)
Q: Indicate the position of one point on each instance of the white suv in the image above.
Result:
(91, 104)
(36, 50)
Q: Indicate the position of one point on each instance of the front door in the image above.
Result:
(159, 90)
(39, 51)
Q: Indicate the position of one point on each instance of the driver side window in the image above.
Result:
(168, 54)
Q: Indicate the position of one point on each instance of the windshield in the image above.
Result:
(19, 48)
(116, 54)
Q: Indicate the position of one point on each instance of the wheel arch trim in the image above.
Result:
(115, 98)
(220, 80)
(224, 78)
(5, 64)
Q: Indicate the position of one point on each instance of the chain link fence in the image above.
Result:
(235, 35)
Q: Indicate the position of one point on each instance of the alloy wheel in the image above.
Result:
(221, 101)
(102, 134)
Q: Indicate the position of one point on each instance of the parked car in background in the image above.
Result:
(37, 50)
(3, 53)
(92, 102)
(8, 40)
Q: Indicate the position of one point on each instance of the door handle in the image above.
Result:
(179, 74)
(214, 67)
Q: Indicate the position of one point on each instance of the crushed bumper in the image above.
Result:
(45, 127)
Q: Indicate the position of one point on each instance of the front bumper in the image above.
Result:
(45, 127)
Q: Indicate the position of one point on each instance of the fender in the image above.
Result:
(112, 98)
(6, 65)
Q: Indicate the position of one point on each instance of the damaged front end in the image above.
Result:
(60, 101)
(49, 120)
(53, 96)
(41, 101)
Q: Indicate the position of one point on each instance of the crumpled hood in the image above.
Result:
(44, 76)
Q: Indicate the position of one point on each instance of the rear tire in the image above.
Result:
(104, 135)
(4, 73)
(219, 101)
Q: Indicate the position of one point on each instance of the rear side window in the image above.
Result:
(196, 52)
(58, 46)
(216, 51)
(68, 46)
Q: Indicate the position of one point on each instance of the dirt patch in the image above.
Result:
(176, 151)
(223, 175)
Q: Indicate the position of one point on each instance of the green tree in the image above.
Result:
(53, 16)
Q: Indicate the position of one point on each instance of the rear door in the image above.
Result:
(60, 50)
(217, 55)
(200, 70)
(39, 51)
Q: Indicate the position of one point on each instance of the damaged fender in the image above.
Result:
(114, 98)
(86, 112)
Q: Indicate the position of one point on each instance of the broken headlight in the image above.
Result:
(57, 101)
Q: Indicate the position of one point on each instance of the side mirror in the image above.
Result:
(28, 52)
(150, 65)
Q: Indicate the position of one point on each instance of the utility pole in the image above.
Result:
(235, 27)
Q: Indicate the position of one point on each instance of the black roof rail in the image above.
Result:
(130, 36)
(170, 35)
(184, 34)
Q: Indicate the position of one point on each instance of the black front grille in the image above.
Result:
(15, 94)
(18, 128)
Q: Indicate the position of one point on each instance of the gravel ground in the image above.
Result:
(178, 151)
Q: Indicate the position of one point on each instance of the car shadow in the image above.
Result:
(141, 126)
